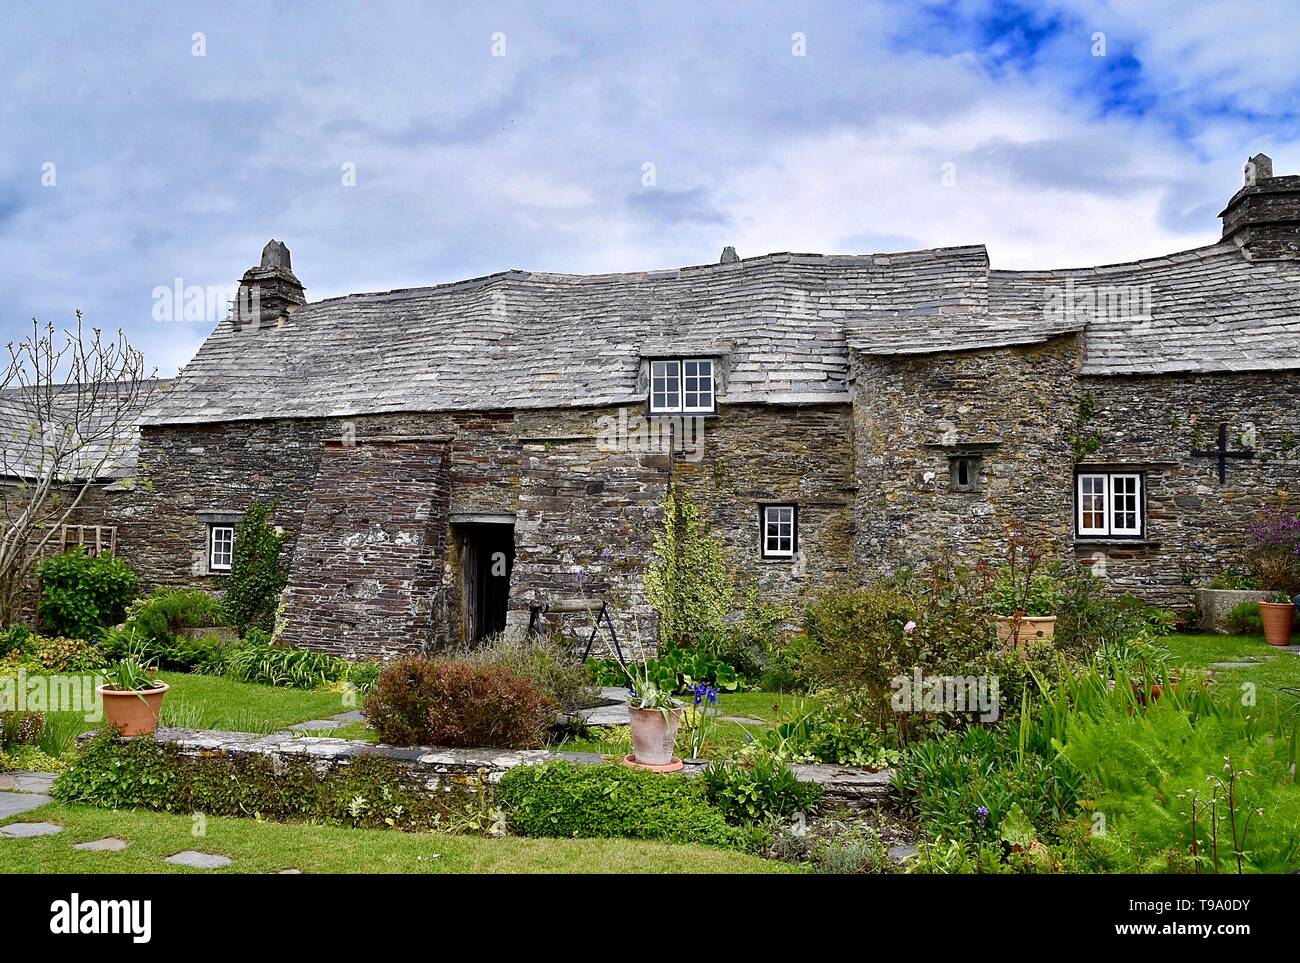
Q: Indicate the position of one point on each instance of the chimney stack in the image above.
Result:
(1263, 218)
(728, 255)
(269, 292)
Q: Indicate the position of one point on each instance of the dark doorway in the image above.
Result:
(487, 555)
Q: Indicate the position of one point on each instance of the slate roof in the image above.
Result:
(21, 456)
(785, 323)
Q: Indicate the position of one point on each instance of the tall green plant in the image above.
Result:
(688, 581)
(81, 594)
(256, 578)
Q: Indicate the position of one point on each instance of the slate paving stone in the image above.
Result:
(318, 724)
(289, 872)
(900, 853)
(28, 830)
(13, 803)
(742, 720)
(192, 857)
(110, 844)
(352, 716)
(22, 780)
(1234, 665)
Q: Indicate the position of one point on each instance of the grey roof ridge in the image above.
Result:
(1177, 257)
(774, 257)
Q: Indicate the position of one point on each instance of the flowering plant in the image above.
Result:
(1275, 560)
(701, 717)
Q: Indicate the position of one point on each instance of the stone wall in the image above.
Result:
(586, 513)
(367, 569)
(1196, 525)
(1012, 408)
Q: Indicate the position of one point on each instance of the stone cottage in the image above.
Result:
(444, 457)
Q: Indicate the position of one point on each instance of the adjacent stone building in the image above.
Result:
(443, 458)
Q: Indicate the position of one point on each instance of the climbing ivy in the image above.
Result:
(256, 579)
(688, 582)
(1085, 442)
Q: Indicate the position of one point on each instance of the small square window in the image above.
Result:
(221, 547)
(780, 531)
(682, 386)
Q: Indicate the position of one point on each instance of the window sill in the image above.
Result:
(1082, 540)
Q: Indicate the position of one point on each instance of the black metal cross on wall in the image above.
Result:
(1223, 454)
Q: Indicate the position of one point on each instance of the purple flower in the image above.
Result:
(909, 628)
(607, 553)
(982, 812)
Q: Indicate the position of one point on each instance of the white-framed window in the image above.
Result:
(1110, 504)
(221, 547)
(780, 534)
(682, 386)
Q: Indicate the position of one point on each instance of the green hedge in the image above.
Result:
(370, 792)
(562, 799)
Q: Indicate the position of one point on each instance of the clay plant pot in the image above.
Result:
(653, 737)
(1151, 693)
(1278, 618)
(1020, 631)
(133, 713)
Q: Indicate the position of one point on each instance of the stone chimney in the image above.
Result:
(1263, 218)
(269, 292)
(728, 255)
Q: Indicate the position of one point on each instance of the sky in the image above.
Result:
(145, 146)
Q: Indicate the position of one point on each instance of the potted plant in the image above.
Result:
(1024, 598)
(654, 714)
(1278, 616)
(132, 696)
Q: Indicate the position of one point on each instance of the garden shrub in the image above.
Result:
(153, 628)
(561, 799)
(256, 578)
(280, 665)
(546, 659)
(964, 785)
(1244, 619)
(688, 582)
(862, 639)
(843, 731)
(419, 700)
(370, 792)
(1275, 559)
(756, 788)
(20, 728)
(61, 654)
(81, 594)
(14, 639)
(1090, 615)
(1148, 766)
(674, 670)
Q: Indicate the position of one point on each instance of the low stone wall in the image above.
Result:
(439, 768)
(1214, 605)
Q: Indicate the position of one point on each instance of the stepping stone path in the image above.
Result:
(110, 844)
(28, 830)
(14, 803)
(197, 860)
(24, 781)
(1235, 665)
(317, 724)
(353, 716)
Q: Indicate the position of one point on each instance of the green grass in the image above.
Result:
(263, 847)
(1275, 669)
(768, 708)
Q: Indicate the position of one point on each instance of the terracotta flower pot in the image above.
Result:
(1277, 618)
(1024, 629)
(133, 713)
(653, 735)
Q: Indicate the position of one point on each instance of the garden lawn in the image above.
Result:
(1275, 669)
(265, 847)
(214, 702)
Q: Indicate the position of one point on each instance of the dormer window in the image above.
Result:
(682, 386)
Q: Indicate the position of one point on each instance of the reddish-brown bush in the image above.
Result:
(445, 702)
